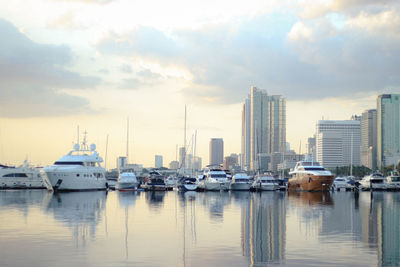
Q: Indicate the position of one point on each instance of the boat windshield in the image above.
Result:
(395, 178)
(241, 180)
(218, 175)
(376, 181)
(15, 175)
(314, 169)
(68, 163)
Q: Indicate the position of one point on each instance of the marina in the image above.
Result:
(170, 228)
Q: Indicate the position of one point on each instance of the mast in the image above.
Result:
(105, 163)
(184, 145)
(77, 136)
(194, 150)
(127, 139)
(351, 159)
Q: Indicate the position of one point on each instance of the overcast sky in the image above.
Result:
(94, 63)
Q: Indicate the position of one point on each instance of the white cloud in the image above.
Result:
(300, 31)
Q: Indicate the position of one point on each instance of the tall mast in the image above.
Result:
(127, 139)
(184, 145)
(105, 163)
(77, 136)
(195, 144)
(351, 159)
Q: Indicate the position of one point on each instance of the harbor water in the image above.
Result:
(39, 228)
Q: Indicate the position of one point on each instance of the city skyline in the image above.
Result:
(62, 68)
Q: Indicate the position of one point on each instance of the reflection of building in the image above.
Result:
(264, 228)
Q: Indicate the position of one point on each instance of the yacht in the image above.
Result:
(187, 184)
(171, 182)
(214, 179)
(310, 176)
(155, 182)
(265, 182)
(374, 181)
(126, 181)
(79, 170)
(340, 183)
(21, 177)
(240, 182)
(393, 181)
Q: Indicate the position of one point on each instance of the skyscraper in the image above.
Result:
(338, 142)
(388, 126)
(263, 126)
(158, 161)
(368, 138)
(216, 151)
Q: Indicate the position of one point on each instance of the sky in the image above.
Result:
(94, 63)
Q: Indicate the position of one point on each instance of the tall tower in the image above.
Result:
(216, 151)
(368, 138)
(388, 125)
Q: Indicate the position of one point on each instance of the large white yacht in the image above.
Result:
(80, 169)
(310, 176)
(21, 177)
(265, 182)
(240, 182)
(214, 179)
(393, 181)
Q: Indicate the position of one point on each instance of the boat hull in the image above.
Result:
(266, 187)
(187, 187)
(311, 183)
(68, 181)
(216, 186)
(125, 186)
(21, 183)
(240, 186)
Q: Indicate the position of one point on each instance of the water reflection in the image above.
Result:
(215, 202)
(80, 211)
(264, 228)
(155, 199)
(310, 198)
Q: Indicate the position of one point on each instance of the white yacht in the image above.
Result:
(80, 169)
(340, 183)
(21, 177)
(375, 181)
(187, 184)
(126, 181)
(214, 179)
(240, 182)
(265, 182)
(393, 181)
(171, 182)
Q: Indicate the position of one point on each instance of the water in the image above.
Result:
(38, 228)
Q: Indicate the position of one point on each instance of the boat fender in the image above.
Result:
(309, 179)
(106, 185)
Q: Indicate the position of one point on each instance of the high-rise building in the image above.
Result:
(263, 126)
(174, 165)
(216, 151)
(368, 138)
(182, 157)
(338, 142)
(158, 161)
(230, 162)
(388, 126)
(121, 162)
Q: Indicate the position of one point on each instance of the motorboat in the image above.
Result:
(265, 182)
(374, 181)
(340, 183)
(214, 179)
(126, 181)
(171, 182)
(155, 182)
(240, 182)
(310, 176)
(79, 170)
(21, 177)
(282, 184)
(187, 184)
(393, 181)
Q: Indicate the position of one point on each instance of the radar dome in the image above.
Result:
(76, 146)
(92, 147)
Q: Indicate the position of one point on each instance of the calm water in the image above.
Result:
(38, 228)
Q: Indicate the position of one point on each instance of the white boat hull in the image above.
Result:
(240, 186)
(21, 183)
(69, 181)
(266, 187)
(188, 187)
(125, 186)
(216, 186)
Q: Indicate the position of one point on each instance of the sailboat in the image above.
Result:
(126, 178)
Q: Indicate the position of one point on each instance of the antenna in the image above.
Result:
(77, 136)
(300, 148)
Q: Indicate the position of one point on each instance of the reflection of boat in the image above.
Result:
(80, 169)
(310, 176)
(240, 182)
(311, 198)
(155, 182)
(265, 182)
(375, 181)
(126, 181)
(80, 211)
(187, 184)
(21, 177)
(214, 179)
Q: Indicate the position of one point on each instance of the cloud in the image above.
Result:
(300, 59)
(126, 68)
(100, 2)
(141, 79)
(26, 66)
